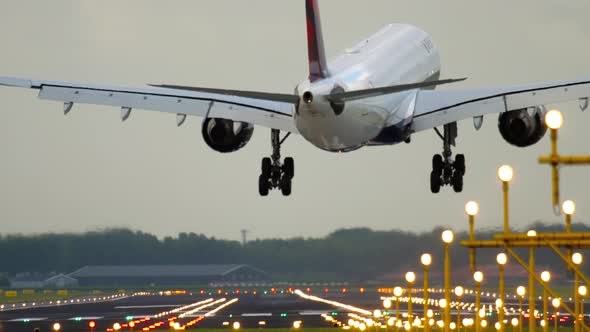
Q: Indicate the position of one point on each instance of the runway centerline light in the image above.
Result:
(554, 119)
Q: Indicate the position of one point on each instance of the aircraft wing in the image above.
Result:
(226, 104)
(436, 108)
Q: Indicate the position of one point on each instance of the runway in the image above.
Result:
(185, 310)
(155, 312)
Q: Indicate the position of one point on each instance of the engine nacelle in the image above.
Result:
(523, 127)
(226, 136)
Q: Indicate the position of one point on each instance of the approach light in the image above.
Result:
(472, 208)
(505, 173)
(410, 277)
(478, 276)
(577, 258)
(545, 276)
(447, 236)
(502, 258)
(556, 303)
(459, 291)
(554, 119)
(568, 207)
(398, 291)
(426, 259)
(521, 291)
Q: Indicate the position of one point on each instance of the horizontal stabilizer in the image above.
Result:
(278, 97)
(362, 94)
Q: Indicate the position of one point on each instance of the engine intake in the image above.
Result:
(523, 127)
(226, 136)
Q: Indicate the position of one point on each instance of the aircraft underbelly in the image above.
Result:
(352, 129)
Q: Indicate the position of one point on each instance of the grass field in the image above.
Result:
(40, 296)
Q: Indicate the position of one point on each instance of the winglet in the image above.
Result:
(318, 68)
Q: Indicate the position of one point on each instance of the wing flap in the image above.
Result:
(436, 108)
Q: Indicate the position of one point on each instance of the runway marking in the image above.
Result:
(37, 319)
(148, 306)
(264, 314)
(313, 313)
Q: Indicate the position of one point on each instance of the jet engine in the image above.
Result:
(523, 127)
(226, 136)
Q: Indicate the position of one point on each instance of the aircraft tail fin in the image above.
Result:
(318, 67)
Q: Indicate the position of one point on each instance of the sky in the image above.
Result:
(89, 171)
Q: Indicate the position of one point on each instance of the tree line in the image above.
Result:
(357, 254)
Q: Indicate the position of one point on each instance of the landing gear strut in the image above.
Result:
(276, 175)
(445, 170)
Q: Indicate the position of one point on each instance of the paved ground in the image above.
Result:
(155, 312)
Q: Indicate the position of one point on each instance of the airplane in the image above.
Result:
(378, 93)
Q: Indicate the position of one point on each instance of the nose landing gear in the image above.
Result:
(445, 170)
(276, 175)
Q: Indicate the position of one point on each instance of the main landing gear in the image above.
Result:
(276, 175)
(445, 170)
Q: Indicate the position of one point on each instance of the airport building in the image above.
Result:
(155, 275)
(43, 281)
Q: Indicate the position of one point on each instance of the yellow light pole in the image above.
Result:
(472, 209)
(520, 291)
(568, 208)
(577, 260)
(545, 276)
(502, 259)
(410, 278)
(459, 291)
(397, 292)
(556, 304)
(426, 260)
(554, 120)
(505, 174)
(447, 238)
(443, 307)
(532, 300)
(478, 277)
(582, 291)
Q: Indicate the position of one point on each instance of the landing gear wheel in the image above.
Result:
(263, 185)
(460, 164)
(276, 175)
(286, 186)
(266, 167)
(437, 163)
(435, 182)
(457, 182)
(289, 167)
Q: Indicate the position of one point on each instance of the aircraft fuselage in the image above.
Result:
(396, 54)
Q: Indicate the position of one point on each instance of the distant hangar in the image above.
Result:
(154, 275)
